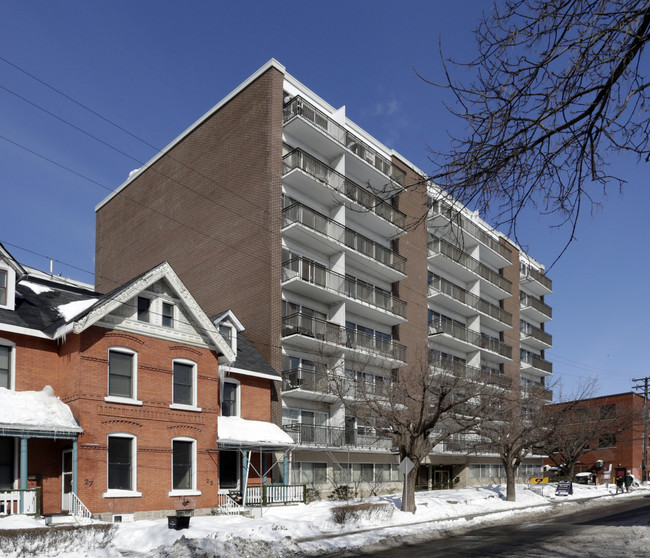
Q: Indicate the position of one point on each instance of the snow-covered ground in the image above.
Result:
(305, 530)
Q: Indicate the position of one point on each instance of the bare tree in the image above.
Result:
(557, 88)
(581, 428)
(516, 427)
(418, 410)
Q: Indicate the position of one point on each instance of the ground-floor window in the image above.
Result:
(495, 470)
(183, 465)
(309, 473)
(121, 463)
(345, 473)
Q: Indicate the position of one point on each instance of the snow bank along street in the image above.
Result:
(302, 530)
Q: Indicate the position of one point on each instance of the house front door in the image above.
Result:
(66, 480)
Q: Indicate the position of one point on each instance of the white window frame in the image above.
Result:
(10, 302)
(134, 378)
(237, 384)
(162, 314)
(119, 493)
(185, 492)
(182, 406)
(150, 312)
(12, 362)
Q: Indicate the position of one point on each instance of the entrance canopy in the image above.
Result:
(36, 414)
(257, 435)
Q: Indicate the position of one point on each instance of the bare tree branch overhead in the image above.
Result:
(558, 88)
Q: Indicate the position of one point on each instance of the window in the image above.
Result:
(607, 412)
(5, 366)
(184, 392)
(144, 305)
(122, 373)
(230, 399)
(607, 441)
(167, 314)
(309, 473)
(121, 462)
(226, 333)
(183, 465)
(3, 287)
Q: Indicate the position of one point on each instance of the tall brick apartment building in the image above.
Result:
(276, 205)
(152, 395)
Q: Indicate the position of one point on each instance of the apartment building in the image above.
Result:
(278, 206)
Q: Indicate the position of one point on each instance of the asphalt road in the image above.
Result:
(612, 531)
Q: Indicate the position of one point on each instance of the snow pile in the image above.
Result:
(35, 410)
(239, 431)
(72, 309)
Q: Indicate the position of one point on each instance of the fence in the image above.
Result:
(26, 502)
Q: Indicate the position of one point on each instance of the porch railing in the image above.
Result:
(77, 507)
(27, 502)
(275, 494)
(228, 505)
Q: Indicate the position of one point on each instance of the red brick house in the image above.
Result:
(142, 376)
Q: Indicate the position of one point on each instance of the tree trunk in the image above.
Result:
(570, 469)
(408, 491)
(511, 495)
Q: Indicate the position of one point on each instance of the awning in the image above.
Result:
(239, 433)
(36, 414)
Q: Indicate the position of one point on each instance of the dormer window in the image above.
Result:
(3, 287)
(226, 333)
(144, 304)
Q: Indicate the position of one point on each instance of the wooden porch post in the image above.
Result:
(74, 466)
(285, 463)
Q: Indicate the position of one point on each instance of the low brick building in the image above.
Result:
(145, 373)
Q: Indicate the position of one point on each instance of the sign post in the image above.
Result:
(405, 467)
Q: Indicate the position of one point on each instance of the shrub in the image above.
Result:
(374, 513)
(343, 492)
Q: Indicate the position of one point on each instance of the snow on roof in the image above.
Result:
(35, 410)
(239, 432)
(37, 287)
(72, 309)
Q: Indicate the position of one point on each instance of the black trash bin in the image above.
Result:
(178, 522)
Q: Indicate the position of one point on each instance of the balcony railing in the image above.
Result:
(441, 207)
(439, 246)
(538, 362)
(537, 391)
(299, 213)
(317, 274)
(298, 159)
(438, 284)
(318, 381)
(527, 300)
(471, 372)
(540, 278)
(529, 330)
(308, 380)
(476, 338)
(300, 107)
(332, 436)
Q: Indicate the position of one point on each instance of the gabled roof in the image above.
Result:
(111, 301)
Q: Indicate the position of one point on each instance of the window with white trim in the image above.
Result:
(184, 383)
(122, 373)
(183, 465)
(167, 314)
(144, 307)
(6, 356)
(121, 457)
(230, 399)
(3, 286)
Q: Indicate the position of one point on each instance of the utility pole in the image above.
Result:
(642, 384)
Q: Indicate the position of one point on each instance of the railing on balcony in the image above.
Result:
(528, 300)
(441, 207)
(332, 436)
(471, 372)
(299, 213)
(348, 188)
(318, 381)
(300, 107)
(439, 246)
(540, 278)
(438, 284)
(529, 330)
(308, 380)
(317, 274)
(538, 362)
(476, 338)
(15, 502)
(528, 391)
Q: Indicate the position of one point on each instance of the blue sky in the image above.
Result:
(154, 67)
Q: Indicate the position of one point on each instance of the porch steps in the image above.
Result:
(60, 519)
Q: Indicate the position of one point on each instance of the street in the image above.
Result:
(611, 531)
